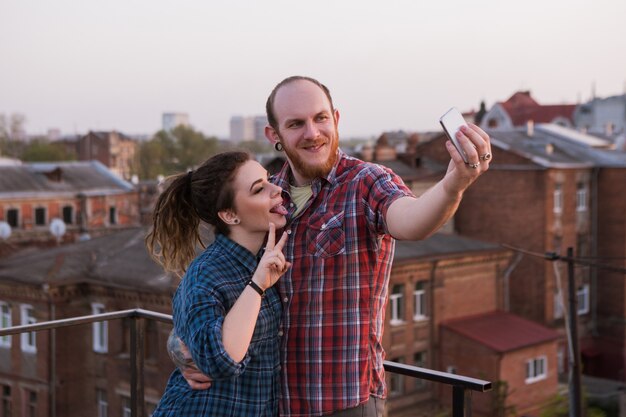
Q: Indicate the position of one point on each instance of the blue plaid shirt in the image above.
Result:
(212, 284)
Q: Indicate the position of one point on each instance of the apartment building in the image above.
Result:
(86, 196)
(521, 108)
(550, 188)
(81, 370)
(113, 149)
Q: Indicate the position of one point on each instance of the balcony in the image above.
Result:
(462, 387)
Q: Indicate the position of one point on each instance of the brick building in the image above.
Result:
(437, 284)
(521, 108)
(518, 355)
(87, 369)
(547, 189)
(113, 149)
(86, 196)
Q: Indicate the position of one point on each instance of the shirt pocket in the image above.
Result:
(325, 235)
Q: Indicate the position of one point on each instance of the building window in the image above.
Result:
(68, 214)
(7, 405)
(31, 405)
(13, 217)
(5, 321)
(126, 407)
(419, 298)
(396, 301)
(40, 216)
(28, 340)
(536, 369)
(582, 295)
(396, 381)
(103, 404)
(558, 198)
(112, 215)
(419, 360)
(100, 330)
(581, 197)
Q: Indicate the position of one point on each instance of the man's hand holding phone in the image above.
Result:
(473, 149)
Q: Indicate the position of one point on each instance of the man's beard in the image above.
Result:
(314, 171)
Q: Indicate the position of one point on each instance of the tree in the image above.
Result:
(40, 149)
(12, 134)
(172, 152)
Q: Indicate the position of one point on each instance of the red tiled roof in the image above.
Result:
(501, 331)
(521, 107)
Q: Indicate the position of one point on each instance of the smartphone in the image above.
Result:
(451, 121)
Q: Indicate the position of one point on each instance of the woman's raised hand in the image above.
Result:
(272, 264)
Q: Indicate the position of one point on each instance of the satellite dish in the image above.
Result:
(5, 230)
(57, 228)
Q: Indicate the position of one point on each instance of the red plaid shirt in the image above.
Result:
(335, 293)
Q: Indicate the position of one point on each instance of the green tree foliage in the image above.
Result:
(499, 396)
(11, 134)
(40, 150)
(172, 152)
(558, 406)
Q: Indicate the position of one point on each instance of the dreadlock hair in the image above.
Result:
(190, 198)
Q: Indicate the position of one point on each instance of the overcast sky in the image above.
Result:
(393, 64)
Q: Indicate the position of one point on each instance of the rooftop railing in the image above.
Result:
(462, 386)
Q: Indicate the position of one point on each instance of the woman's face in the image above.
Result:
(257, 201)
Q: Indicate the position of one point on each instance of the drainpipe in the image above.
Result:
(52, 354)
(593, 272)
(431, 304)
(507, 280)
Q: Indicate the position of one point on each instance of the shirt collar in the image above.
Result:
(238, 252)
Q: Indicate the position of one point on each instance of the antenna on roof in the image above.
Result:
(593, 90)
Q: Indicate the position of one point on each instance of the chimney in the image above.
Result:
(609, 129)
(549, 148)
(530, 128)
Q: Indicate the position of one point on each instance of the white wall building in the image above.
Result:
(171, 120)
(602, 115)
(246, 128)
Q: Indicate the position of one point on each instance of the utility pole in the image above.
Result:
(575, 386)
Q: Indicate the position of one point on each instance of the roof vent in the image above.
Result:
(549, 148)
(56, 175)
(530, 128)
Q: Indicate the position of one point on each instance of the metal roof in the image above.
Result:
(552, 146)
(438, 245)
(119, 259)
(59, 177)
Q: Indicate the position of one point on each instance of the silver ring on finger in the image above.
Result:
(473, 166)
(486, 156)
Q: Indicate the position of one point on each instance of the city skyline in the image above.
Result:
(120, 66)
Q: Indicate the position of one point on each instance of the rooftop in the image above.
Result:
(59, 177)
(502, 331)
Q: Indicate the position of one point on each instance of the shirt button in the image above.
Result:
(291, 204)
(280, 333)
(285, 299)
(323, 226)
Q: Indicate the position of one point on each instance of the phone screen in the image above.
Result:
(451, 121)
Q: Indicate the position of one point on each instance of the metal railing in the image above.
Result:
(462, 386)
